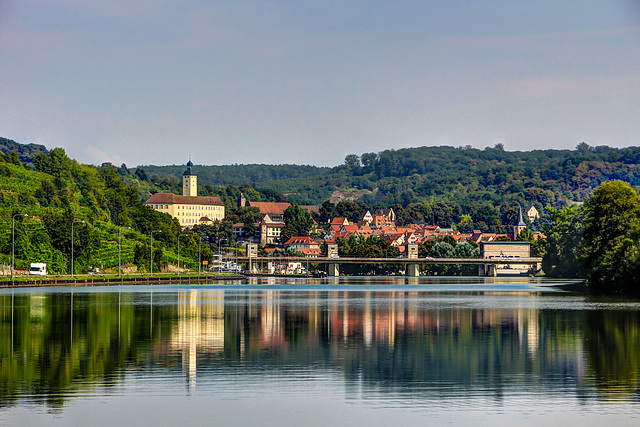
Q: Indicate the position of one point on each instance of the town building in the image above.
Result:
(271, 220)
(532, 213)
(189, 208)
(270, 227)
(304, 244)
(519, 226)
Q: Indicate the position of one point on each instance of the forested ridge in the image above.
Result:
(427, 174)
(25, 152)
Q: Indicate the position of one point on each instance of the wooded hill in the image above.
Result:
(59, 194)
(25, 152)
(463, 175)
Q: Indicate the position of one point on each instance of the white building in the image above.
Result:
(189, 209)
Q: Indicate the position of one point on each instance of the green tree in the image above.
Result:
(611, 239)
(298, 222)
(564, 237)
(352, 161)
(525, 235)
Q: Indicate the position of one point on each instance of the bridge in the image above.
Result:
(486, 266)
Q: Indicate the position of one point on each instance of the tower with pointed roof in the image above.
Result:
(520, 225)
(189, 181)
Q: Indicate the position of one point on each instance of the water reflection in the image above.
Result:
(434, 346)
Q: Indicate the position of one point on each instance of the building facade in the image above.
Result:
(189, 208)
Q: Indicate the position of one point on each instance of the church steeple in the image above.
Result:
(520, 225)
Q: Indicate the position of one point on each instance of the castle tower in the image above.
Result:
(189, 182)
(520, 225)
(242, 201)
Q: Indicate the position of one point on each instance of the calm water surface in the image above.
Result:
(347, 351)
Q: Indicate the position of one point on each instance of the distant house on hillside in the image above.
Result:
(532, 213)
(388, 213)
(367, 217)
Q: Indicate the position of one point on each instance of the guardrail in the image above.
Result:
(106, 281)
(364, 260)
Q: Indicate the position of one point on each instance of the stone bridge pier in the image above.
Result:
(412, 270)
(333, 268)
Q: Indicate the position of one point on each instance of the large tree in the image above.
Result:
(611, 239)
(298, 222)
(564, 237)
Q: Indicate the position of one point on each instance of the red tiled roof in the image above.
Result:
(301, 240)
(280, 207)
(270, 207)
(170, 198)
(350, 228)
(311, 208)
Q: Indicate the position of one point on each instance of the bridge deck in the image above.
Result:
(434, 261)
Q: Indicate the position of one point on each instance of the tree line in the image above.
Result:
(599, 241)
(463, 175)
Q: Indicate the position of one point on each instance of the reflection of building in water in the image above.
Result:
(264, 323)
(271, 325)
(200, 327)
(367, 320)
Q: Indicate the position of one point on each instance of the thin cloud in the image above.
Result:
(97, 156)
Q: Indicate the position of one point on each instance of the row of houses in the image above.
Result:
(191, 209)
(380, 224)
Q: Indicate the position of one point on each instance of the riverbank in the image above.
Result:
(90, 280)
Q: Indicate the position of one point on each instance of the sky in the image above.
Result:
(311, 81)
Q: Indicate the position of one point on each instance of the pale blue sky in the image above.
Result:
(308, 82)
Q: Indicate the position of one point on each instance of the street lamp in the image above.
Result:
(151, 262)
(120, 249)
(220, 254)
(199, 254)
(13, 240)
(236, 246)
(72, 224)
(179, 236)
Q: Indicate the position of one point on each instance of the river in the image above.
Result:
(339, 351)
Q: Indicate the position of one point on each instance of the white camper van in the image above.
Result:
(38, 269)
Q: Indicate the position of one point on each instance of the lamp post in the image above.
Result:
(72, 238)
(199, 254)
(236, 246)
(120, 249)
(179, 236)
(13, 241)
(151, 262)
(220, 254)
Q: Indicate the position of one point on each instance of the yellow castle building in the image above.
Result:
(189, 209)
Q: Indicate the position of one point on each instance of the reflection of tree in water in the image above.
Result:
(385, 341)
(391, 342)
(48, 349)
(612, 344)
